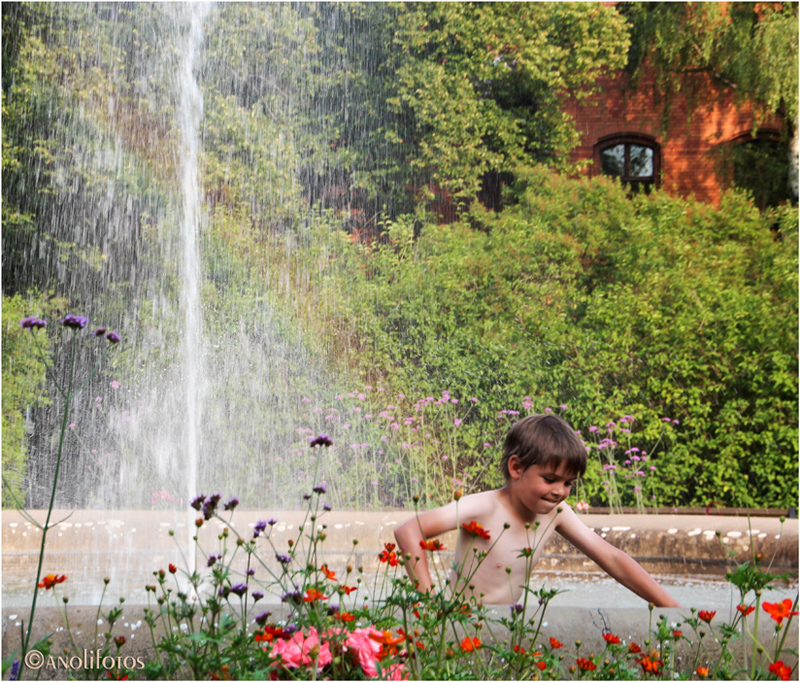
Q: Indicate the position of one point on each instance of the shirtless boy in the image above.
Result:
(542, 457)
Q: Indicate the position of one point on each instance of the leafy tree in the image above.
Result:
(748, 48)
(484, 82)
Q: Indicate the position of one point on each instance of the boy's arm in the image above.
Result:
(421, 527)
(613, 561)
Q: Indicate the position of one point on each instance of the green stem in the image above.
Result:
(67, 396)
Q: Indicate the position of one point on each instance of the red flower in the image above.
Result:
(468, 644)
(346, 589)
(778, 611)
(702, 672)
(330, 575)
(271, 633)
(431, 545)
(476, 530)
(650, 664)
(585, 664)
(344, 616)
(707, 616)
(314, 595)
(555, 643)
(781, 670)
(51, 579)
(634, 648)
(173, 568)
(677, 634)
(542, 665)
(388, 556)
(611, 639)
(745, 610)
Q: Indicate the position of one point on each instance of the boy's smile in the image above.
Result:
(539, 489)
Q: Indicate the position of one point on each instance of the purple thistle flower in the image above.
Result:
(293, 597)
(113, 337)
(322, 440)
(75, 321)
(31, 323)
(100, 331)
(231, 504)
(261, 618)
(257, 595)
(260, 527)
(239, 589)
(197, 502)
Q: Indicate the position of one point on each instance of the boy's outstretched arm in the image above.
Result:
(613, 561)
(422, 527)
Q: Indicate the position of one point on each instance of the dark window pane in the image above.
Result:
(641, 161)
(612, 160)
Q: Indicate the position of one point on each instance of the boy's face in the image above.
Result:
(540, 488)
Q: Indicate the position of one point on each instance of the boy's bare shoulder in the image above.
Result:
(479, 505)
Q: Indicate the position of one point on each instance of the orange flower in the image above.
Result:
(708, 616)
(611, 639)
(542, 665)
(780, 669)
(702, 672)
(51, 580)
(314, 595)
(585, 664)
(346, 589)
(677, 634)
(344, 616)
(778, 611)
(468, 644)
(431, 545)
(745, 610)
(388, 556)
(330, 575)
(650, 664)
(476, 530)
(634, 648)
(555, 643)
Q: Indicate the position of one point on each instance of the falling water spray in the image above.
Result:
(189, 117)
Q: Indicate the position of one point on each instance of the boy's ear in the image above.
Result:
(515, 467)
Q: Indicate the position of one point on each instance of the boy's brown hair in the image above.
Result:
(541, 439)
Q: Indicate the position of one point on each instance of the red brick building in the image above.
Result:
(624, 132)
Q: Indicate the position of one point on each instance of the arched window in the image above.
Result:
(761, 167)
(634, 159)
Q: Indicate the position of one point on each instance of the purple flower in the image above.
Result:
(517, 608)
(283, 558)
(326, 507)
(213, 558)
(320, 490)
(14, 674)
(224, 591)
(239, 590)
(293, 597)
(323, 440)
(231, 504)
(210, 506)
(306, 496)
(257, 595)
(250, 572)
(272, 522)
(260, 527)
(75, 321)
(261, 618)
(31, 323)
(113, 337)
(100, 331)
(197, 502)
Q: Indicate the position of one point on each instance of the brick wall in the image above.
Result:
(687, 141)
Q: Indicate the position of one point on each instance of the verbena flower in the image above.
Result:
(213, 558)
(260, 527)
(113, 337)
(100, 331)
(75, 321)
(240, 589)
(257, 595)
(283, 559)
(231, 504)
(197, 502)
(320, 489)
(322, 440)
(262, 618)
(210, 505)
(32, 323)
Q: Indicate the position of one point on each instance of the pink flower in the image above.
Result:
(457, 422)
(364, 641)
(302, 650)
(115, 384)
